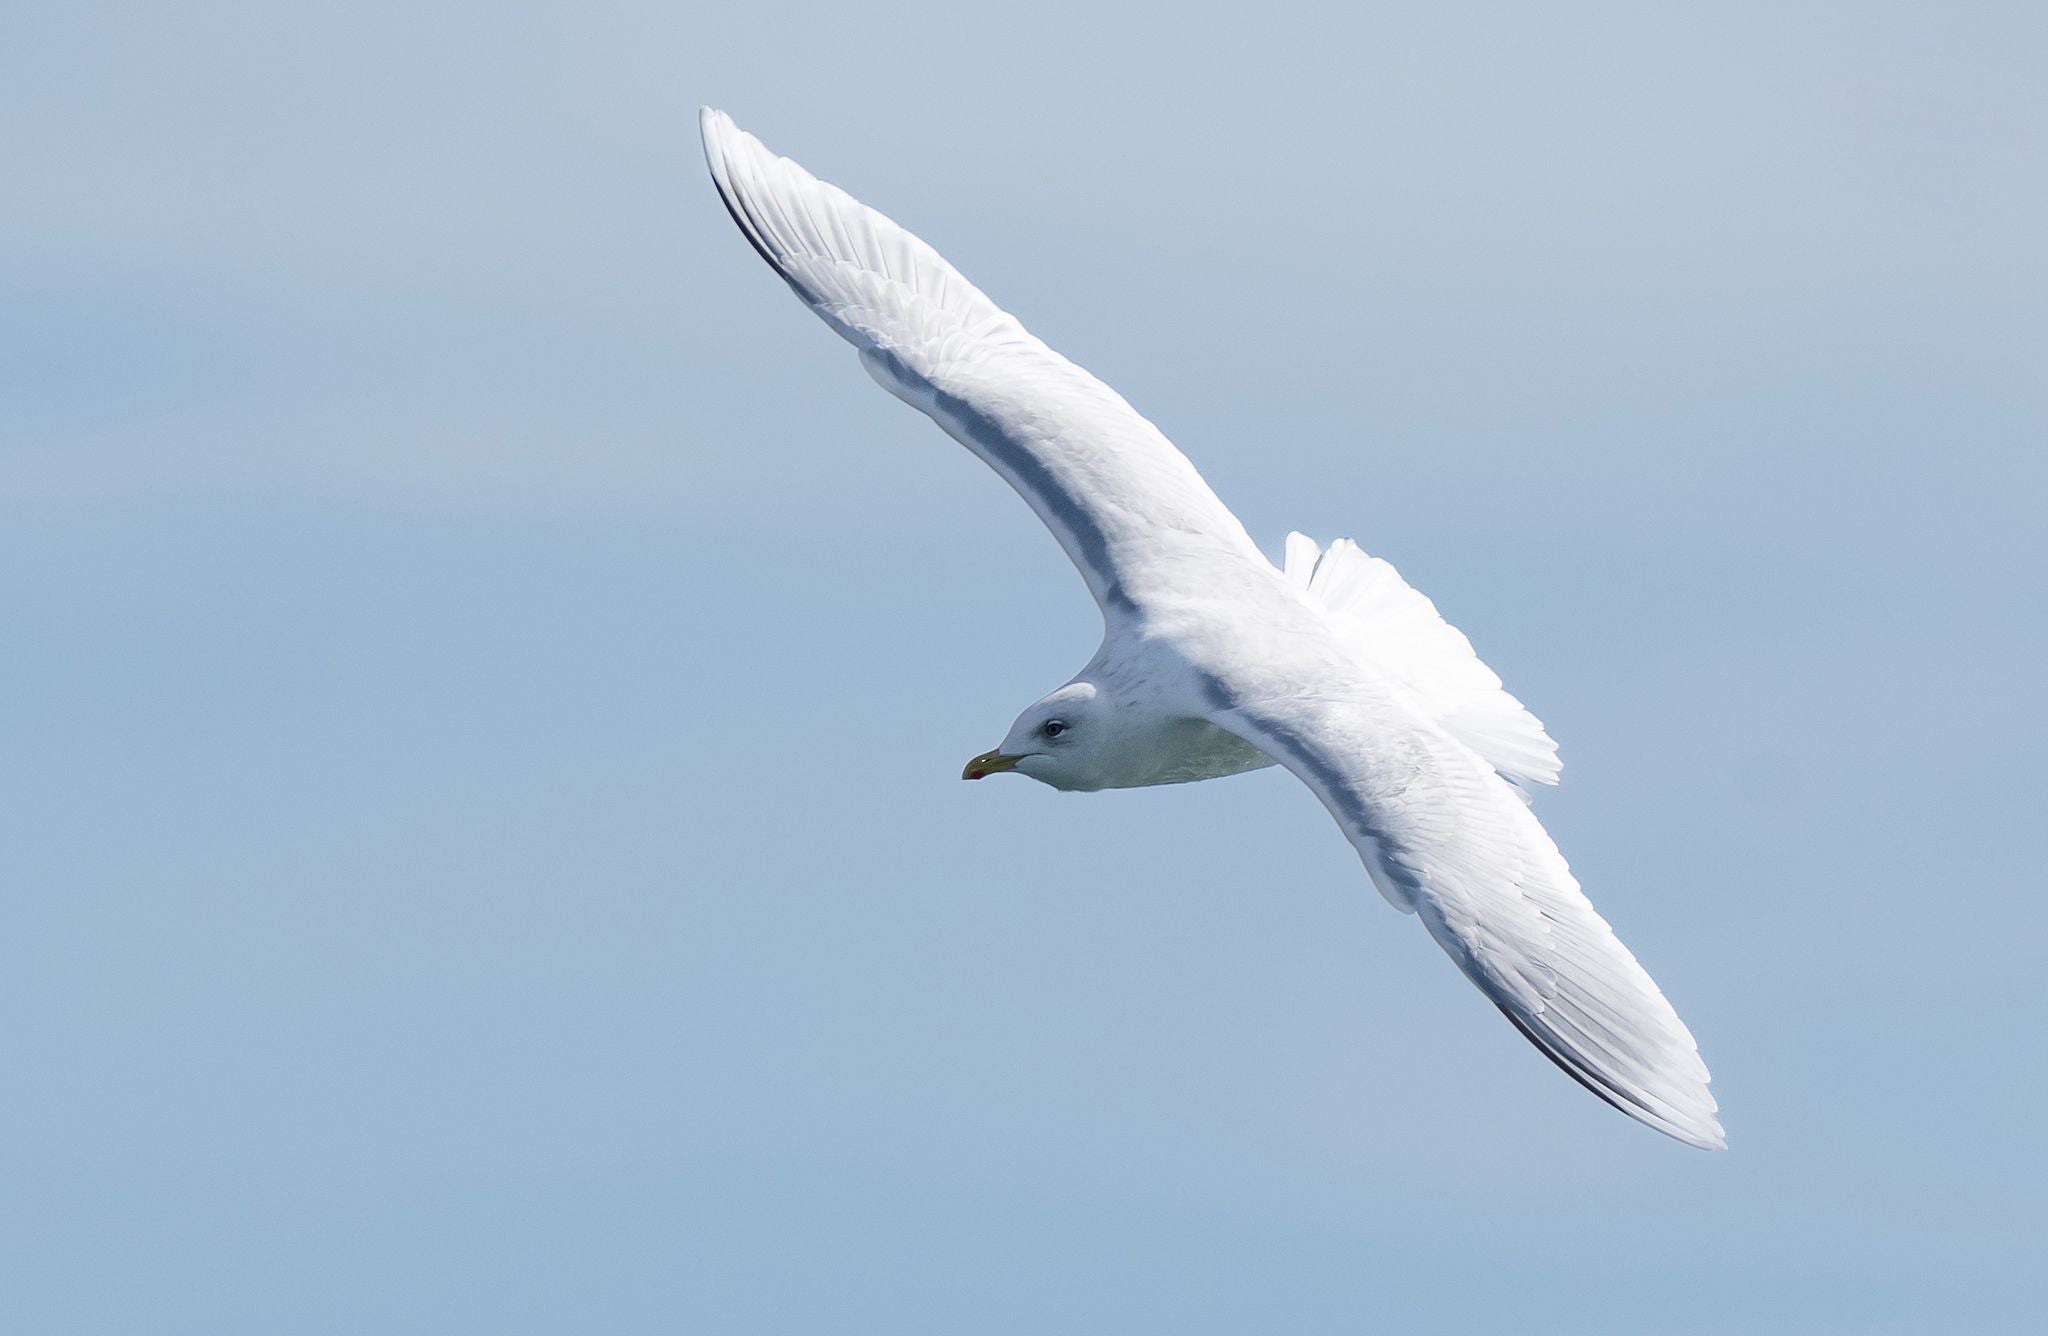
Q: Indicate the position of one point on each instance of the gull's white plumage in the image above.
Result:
(1385, 622)
(1213, 661)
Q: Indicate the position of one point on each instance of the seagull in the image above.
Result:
(1215, 661)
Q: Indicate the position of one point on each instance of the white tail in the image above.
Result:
(1400, 634)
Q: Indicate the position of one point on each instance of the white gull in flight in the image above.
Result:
(1213, 661)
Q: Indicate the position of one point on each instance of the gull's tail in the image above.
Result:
(1395, 629)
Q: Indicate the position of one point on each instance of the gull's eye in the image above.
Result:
(1052, 728)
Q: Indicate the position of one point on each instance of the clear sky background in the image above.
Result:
(485, 674)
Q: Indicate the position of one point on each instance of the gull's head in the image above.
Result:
(1061, 740)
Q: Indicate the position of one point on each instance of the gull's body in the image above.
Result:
(1214, 661)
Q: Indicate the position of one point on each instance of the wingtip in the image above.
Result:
(712, 126)
(1714, 1140)
(723, 142)
(1698, 1126)
(1701, 1129)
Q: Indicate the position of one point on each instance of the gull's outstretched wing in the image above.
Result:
(1445, 837)
(1128, 507)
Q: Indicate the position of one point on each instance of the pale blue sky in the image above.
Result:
(480, 839)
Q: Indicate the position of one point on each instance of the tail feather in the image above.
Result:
(1398, 631)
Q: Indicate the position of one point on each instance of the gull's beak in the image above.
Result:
(989, 763)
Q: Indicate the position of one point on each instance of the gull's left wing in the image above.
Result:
(1445, 837)
(1129, 509)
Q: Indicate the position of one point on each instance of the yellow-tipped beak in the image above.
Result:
(989, 763)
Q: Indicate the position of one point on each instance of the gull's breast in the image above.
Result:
(1181, 751)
